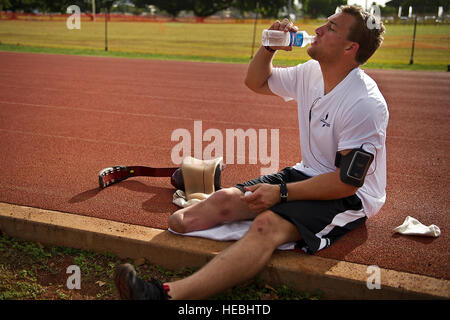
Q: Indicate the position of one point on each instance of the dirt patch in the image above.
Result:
(31, 271)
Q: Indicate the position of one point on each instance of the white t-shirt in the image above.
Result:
(354, 113)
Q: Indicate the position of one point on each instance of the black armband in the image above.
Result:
(354, 166)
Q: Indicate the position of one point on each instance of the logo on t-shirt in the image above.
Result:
(325, 122)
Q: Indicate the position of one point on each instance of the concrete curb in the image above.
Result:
(336, 279)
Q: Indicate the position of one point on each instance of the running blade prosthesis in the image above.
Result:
(113, 175)
(201, 172)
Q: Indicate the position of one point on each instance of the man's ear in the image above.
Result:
(352, 48)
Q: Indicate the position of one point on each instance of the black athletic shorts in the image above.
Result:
(319, 222)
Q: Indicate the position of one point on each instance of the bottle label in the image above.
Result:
(296, 39)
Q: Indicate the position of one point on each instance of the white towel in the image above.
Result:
(412, 226)
(229, 231)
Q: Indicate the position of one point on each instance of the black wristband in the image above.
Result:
(283, 192)
(269, 49)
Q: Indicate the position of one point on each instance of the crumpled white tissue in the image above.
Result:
(179, 199)
(412, 226)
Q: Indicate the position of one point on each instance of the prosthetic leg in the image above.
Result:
(197, 178)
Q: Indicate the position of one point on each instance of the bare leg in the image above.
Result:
(224, 205)
(239, 262)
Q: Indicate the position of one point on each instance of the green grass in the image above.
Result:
(32, 271)
(230, 43)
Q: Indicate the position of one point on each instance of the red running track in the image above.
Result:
(63, 118)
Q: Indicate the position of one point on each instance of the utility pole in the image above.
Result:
(411, 61)
(93, 9)
(254, 28)
(108, 4)
(106, 28)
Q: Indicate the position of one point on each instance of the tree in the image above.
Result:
(388, 11)
(23, 5)
(316, 8)
(4, 4)
(62, 5)
(206, 8)
(267, 8)
(43, 5)
(172, 7)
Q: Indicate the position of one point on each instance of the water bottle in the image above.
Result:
(277, 38)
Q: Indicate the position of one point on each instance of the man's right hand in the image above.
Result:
(287, 26)
(260, 67)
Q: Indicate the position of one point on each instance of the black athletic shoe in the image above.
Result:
(130, 287)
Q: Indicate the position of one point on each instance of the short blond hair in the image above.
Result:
(368, 38)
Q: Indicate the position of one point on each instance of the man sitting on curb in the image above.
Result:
(341, 114)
